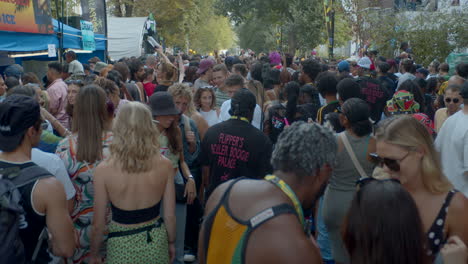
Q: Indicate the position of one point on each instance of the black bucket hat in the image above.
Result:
(162, 104)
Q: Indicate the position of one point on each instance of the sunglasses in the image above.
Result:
(364, 181)
(449, 100)
(392, 164)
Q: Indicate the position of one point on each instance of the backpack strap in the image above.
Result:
(30, 174)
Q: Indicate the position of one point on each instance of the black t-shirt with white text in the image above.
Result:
(375, 95)
(233, 149)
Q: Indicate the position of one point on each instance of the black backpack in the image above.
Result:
(11, 210)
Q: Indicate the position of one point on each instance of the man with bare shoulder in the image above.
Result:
(43, 197)
(262, 221)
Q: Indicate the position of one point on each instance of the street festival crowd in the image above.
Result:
(248, 158)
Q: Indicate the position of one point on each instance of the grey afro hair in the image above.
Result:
(303, 148)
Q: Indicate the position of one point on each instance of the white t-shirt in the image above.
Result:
(452, 143)
(211, 117)
(55, 166)
(75, 67)
(224, 115)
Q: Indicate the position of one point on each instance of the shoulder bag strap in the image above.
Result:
(351, 154)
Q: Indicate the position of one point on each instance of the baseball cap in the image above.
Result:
(205, 64)
(423, 71)
(343, 66)
(17, 114)
(364, 62)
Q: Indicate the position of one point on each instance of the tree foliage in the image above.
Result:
(431, 35)
(299, 23)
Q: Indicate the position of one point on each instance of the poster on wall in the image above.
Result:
(32, 16)
(87, 33)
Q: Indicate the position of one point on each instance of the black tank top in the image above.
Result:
(32, 226)
(135, 216)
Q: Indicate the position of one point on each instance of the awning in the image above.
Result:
(28, 42)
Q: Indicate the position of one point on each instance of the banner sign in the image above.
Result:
(94, 11)
(87, 33)
(32, 16)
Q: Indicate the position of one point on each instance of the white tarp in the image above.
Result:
(125, 36)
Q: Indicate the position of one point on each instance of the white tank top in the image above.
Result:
(211, 117)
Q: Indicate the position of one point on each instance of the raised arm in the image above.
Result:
(62, 131)
(160, 52)
(181, 68)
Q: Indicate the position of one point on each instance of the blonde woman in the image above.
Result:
(136, 180)
(406, 151)
(183, 99)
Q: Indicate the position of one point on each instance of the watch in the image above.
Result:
(191, 177)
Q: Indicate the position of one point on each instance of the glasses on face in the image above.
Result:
(364, 181)
(392, 164)
(454, 100)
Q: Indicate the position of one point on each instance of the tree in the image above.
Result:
(432, 35)
(300, 22)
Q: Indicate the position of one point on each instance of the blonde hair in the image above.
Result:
(183, 90)
(135, 141)
(409, 133)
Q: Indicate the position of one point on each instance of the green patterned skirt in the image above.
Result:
(143, 244)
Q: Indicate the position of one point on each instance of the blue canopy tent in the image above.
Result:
(29, 42)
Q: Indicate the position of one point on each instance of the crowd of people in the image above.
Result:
(252, 158)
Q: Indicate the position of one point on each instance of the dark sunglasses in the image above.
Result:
(449, 100)
(364, 181)
(392, 164)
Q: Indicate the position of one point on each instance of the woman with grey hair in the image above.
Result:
(352, 162)
(272, 207)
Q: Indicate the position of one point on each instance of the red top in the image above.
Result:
(149, 88)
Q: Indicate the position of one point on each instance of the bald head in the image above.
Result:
(457, 80)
